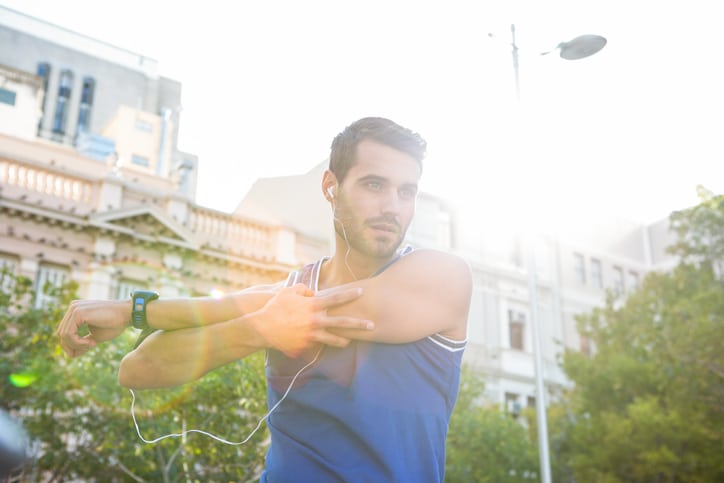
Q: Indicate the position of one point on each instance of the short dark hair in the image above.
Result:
(379, 129)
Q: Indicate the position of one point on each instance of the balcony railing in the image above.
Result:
(47, 184)
(47, 187)
(235, 235)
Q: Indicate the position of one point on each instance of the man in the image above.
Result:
(383, 327)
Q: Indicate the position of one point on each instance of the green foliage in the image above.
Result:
(648, 406)
(484, 444)
(700, 230)
(78, 417)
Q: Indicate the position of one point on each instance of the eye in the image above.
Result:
(408, 193)
(374, 185)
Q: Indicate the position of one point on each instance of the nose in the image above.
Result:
(391, 203)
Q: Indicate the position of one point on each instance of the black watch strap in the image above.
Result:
(139, 301)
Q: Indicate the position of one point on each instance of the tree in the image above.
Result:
(485, 444)
(649, 404)
(78, 417)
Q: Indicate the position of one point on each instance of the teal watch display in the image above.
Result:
(139, 299)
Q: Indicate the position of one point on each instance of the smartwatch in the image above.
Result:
(139, 299)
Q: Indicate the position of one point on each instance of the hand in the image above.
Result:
(105, 319)
(294, 318)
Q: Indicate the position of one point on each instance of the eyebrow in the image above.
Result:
(371, 177)
(375, 177)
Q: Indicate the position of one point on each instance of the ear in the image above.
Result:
(329, 185)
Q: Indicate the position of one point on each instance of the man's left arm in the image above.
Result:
(424, 293)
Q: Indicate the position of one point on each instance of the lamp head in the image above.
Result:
(581, 47)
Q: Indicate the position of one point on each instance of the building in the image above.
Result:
(574, 272)
(93, 187)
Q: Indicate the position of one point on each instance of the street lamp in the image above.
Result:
(577, 48)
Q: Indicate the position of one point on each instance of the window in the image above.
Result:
(139, 160)
(512, 404)
(633, 280)
(579, 266)
(596, 273)
(618, 280)
(8, 267)
(86, 103)
(125, 287)
(61, 105)
(516, 329)
(43, 72)
(7, 96)
(49, 277)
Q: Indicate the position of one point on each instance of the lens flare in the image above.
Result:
(22, 379)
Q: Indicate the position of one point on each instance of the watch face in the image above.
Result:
(140, 299)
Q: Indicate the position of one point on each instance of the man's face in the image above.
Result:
(376, 201)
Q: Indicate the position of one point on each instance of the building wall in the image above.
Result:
(110, 232)
(120, 78)
(70, 212)
(20, 96)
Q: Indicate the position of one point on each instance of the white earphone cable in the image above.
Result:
(221, 440)
(344, 234)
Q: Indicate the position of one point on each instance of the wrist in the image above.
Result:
(139, 301)
(125, 309)
(251, 334)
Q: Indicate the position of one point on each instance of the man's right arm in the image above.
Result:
(171, 358)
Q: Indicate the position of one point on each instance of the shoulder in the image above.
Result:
(441, 276)
(442, 284)
(437, 264)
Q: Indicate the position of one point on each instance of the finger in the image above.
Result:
(301, 289)
(69, 325)
(329, 339)
(61, 327)
(337, 298)
(72, 342)
(344, 322)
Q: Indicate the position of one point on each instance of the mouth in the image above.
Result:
(385, 227)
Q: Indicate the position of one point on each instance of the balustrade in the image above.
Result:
(46, 182)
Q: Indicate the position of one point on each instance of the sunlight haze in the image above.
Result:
(629, 131)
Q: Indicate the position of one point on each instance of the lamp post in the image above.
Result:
(577, 48)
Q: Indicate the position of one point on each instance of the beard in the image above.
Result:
(360, 234)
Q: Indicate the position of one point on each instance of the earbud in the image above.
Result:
(330, 192)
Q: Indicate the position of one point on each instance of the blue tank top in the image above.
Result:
(369, 412)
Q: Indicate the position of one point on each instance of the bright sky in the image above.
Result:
(266, 85)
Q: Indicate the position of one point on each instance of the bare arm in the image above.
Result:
(171, 358)
(182, 313)
(106, 319)
(424, 293)
(290, 321)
